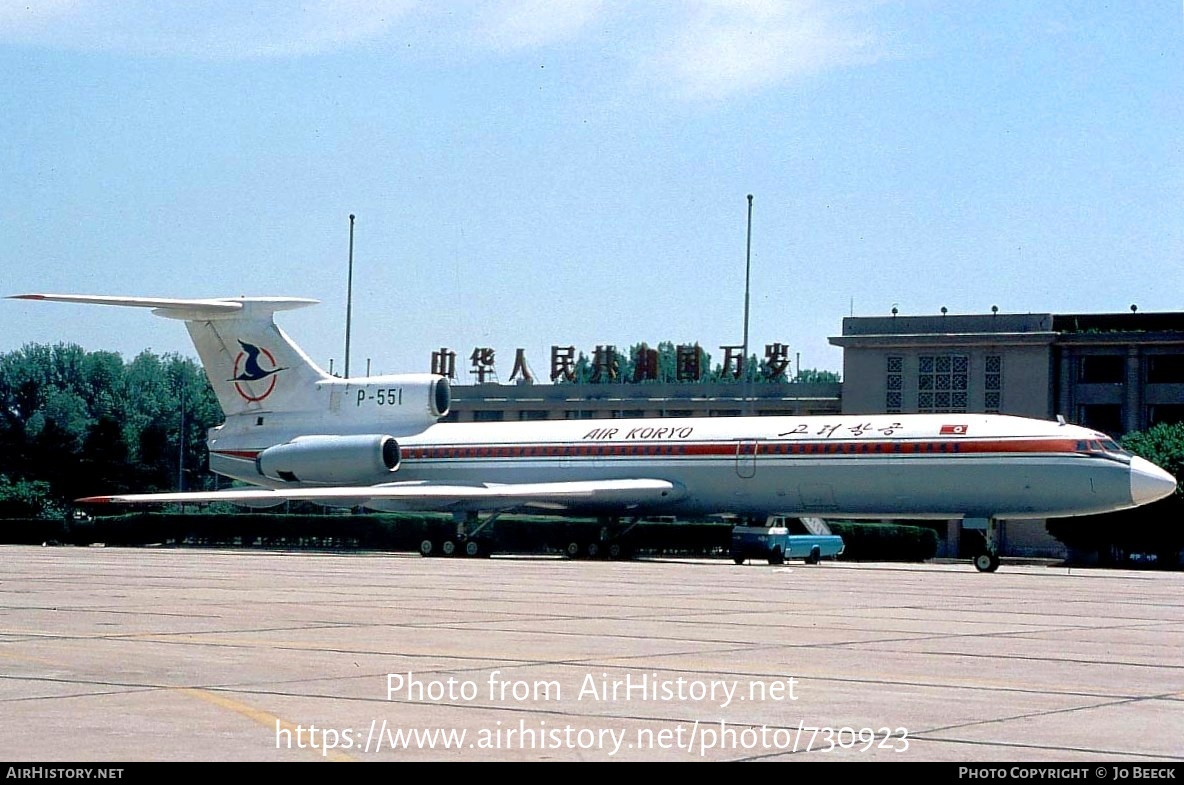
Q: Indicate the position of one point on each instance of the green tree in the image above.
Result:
(76, 423)
(814, 375)
(27, 499)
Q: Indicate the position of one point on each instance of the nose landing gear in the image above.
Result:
(989, 561)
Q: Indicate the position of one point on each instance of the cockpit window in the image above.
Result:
(1104, 446)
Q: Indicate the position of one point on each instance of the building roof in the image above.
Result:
(1028, 328)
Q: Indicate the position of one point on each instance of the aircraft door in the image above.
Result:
(746, 451)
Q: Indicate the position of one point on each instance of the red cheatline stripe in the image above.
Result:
(732, 448)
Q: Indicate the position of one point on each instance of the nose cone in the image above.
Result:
(1149, 482)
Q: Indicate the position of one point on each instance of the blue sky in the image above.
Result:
(528, 173)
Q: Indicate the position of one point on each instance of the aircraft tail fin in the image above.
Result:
(252, 365)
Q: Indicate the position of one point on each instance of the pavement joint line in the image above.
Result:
(259, 716)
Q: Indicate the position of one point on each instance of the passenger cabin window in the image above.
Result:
(1102, 369)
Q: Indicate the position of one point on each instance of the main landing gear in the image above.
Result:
(453, 547)
(467, 541)
(608, 544)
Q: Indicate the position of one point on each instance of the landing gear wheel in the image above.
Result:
(738, 559)
(593, 550)
(776, 556)
(472, 548)
(988, 560)
(448, 547)
(426, 548)
(620, 551)
(573, 550)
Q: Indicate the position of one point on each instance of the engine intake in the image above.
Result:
(331, 460)
(441, 397)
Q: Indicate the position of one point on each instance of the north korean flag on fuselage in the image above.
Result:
(953, 430)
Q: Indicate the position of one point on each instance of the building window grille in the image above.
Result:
(993, 383)
(942, 382)
(894, 385)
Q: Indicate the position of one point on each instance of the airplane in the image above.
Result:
(297, 433)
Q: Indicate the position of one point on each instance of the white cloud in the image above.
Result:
(736, 46)
(696, 49)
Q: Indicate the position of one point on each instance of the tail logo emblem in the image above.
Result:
(248, 369)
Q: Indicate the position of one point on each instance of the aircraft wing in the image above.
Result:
(433, 496)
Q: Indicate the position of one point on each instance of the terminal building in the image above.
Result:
(1113, 372)
(1116, 373)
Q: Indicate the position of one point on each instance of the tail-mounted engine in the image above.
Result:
(331, 460)
(399, 401)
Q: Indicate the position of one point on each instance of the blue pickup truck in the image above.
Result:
(784, 538)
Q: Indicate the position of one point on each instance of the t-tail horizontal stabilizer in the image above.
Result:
(252, 365)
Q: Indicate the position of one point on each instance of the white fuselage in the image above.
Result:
(875, 466)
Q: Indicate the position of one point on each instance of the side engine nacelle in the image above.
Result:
(331, 460)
